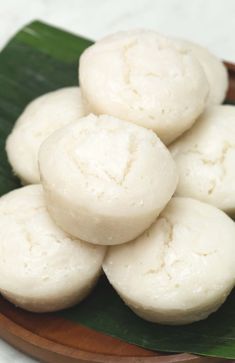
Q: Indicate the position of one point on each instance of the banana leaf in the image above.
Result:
(39, 59)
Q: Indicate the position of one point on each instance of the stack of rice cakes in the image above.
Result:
(108, 178)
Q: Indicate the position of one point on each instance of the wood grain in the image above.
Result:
(231, 90)
(53, 339)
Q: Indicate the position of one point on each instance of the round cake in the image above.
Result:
(42, 268)
(181, 269)
(106, 180)
(145, 78)
(41, 118)
(205, 157)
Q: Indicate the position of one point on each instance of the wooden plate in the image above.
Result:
(53, 339)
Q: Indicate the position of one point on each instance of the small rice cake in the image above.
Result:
(145, 78)
(181, 269)
(106, 180)
(205, 157)
(214, 69)
(42, 268)
(41, 118)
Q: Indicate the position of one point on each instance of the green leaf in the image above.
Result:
(103, 310)
(39, 59)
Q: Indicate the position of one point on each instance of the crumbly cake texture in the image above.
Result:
(40, 119)
(181, 269)
(145, 78)
(41, 267)
(214, 69)
(111, 179)
(205, 158)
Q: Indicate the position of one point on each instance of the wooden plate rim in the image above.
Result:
(230, 66)
(41, 342)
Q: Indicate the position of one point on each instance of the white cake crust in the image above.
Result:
(181, 269)
(106, 180)
(214, 69)
(205, 157)
(41, 267)
(41, 118)
(145, 78)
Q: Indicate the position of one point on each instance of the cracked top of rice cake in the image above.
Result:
(145, 78)
(205, 157)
